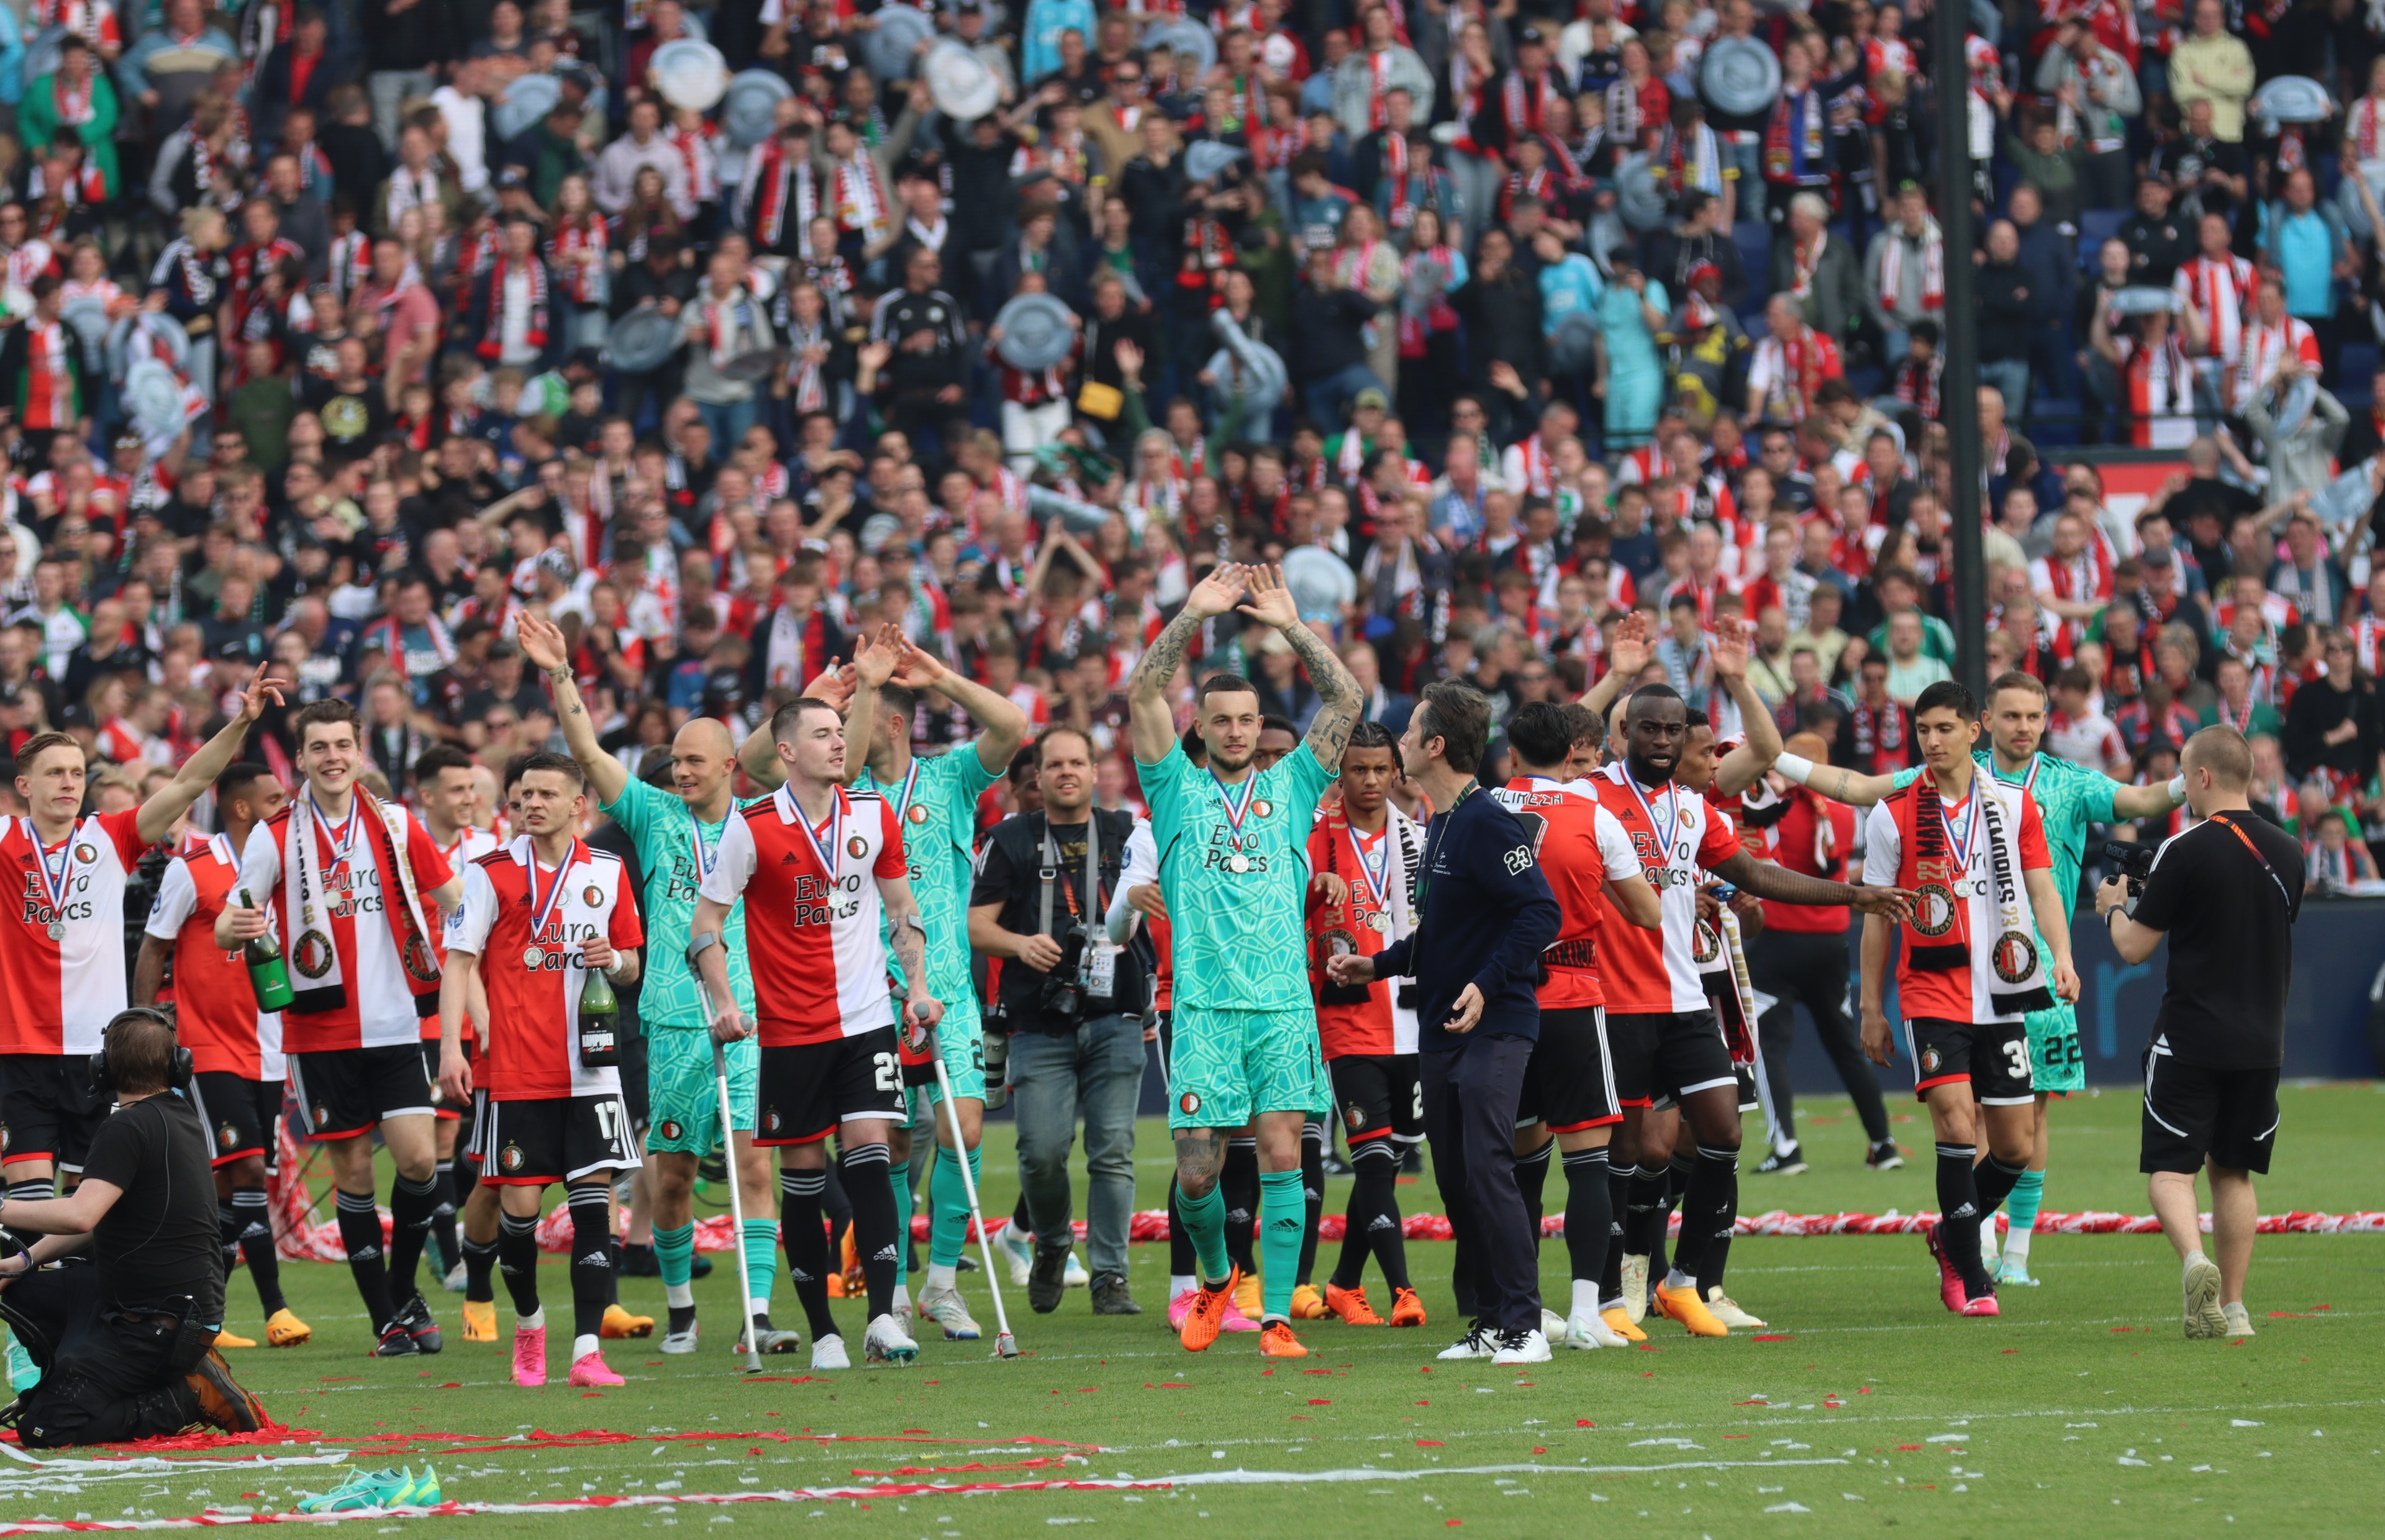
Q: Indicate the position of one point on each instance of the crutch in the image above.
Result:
(1005, 1344)
(736, 1212)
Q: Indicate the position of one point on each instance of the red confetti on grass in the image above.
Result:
(2280, 1315)
(2322, 1306)
(1539, 1449)
(1171, 1385)
(1583, 1423)
(1911, 1445)
(1865, 1390)
(1759, 1401)
(1041, 1463)
(1778, 1337)
(1430, 1444)
(1734, 1436)
(2008, 1349)
(1314, 1402)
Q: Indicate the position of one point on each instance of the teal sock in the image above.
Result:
(1205, 1221)
(675, 1254)
(2021, 1207)
(948, 1232)
(903, 1200)
(762, 1257)
(1283, 1214)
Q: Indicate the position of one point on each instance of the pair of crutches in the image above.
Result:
(1005, 1344)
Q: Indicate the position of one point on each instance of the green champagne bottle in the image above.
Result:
(600, 1016)
(267, 974)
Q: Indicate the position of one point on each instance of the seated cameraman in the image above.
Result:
(2227, 892)
(122, 1329)
(1073, 1003)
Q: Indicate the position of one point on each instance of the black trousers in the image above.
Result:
(105, 1374)
(1812, 969)
(1469, 1117)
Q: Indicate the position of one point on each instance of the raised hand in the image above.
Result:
(1628, 654)
(540, 642)
(1217, 593)
(1270, 600)
(1729, 653)
(260, 690)
(835, 685)
(919, 668)
(875, 659)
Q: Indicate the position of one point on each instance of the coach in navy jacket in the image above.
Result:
(1486, 915)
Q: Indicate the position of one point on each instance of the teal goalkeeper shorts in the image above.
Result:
(962, 1034)
(1225, 1067)
(2056, 1063)
(683, 1101)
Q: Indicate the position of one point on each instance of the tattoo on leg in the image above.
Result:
(1199, 1155)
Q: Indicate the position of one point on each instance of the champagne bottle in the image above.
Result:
(267, 974)
(600, 1016)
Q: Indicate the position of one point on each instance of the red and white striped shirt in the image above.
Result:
(1676, 834)
(2220, 291)
(2263, 349)
(469, 845)
(814, 944)
(62, 951)
(215, 1006)
(526, 924)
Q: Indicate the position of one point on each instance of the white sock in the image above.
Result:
(1179, 1282)
(679, 1296)
(536, 1320)
(2016, 1244)
(1988, 1237)
(942, 1276)
(902, 1297)
(756, 1306)
(1585, 1297)
(583, 1345)
(2194, 1259)
(1675, 1278)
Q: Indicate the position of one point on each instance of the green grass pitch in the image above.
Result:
(1866, 1408)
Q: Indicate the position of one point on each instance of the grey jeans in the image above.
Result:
(390, 89)
(1095, 1073)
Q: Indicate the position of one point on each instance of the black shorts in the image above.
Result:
(807, 1090)
(439, 1106)
(1992, 1056)
(1571, 1082)
(1749, 1100)
(1674, 1053)
(343, 1092)
(242, 1116)
(563, 1138)
(1378, 1094)
(2193, 1110)
(47, 1110)
(633, 1076)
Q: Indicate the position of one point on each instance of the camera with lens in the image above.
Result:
(2132, 862)
(1061, 996)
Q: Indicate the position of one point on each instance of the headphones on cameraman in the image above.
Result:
(177, 1072)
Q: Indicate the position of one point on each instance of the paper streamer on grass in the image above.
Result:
(27, 1475)
(1346, 1476)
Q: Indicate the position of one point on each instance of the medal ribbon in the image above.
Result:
(910, 790)
(2028, 782)
(55, 885)
(1962, 842)
(827, 849)
(1237, 808)
(1376, 870)
(1672, 798)
(341, 839)
(703, 862)
(542, 909)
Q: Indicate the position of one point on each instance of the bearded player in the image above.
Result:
(2070, 798)
(1233, 866)
(1973, 848)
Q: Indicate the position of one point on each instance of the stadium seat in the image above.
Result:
(2096, 227)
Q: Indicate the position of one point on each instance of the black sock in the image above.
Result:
(868, 1181)
(228, 1227)
(1371, 1223)
(1958, 1206)
(592, 1258)
(1312, 1188)
(808, 1253)
(360, 1237)
(518, 1260)
(411, 1205)
(1644, 1214)
(1618, 1204)
(1532, 1181)
(1018, 1216)
(1994, 1181)
(443, 1217)
(1678, 1171)
(1716, 1182)
(1589, 1214)
(1181, 1262)
(463, 1175)
(256, 1245)
(1239, 1181)
(838, 1205)
(33, 1189)
(480, 1258)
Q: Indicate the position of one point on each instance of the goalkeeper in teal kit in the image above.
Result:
(936, 801)
(2070, 798)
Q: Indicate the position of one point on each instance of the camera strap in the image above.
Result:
(1053, 875)
(2246, 840)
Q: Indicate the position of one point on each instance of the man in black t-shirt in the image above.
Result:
(2227, 892)
(121, 1327)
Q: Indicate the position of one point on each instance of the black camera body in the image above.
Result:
(2134, 862)
(1061, 998)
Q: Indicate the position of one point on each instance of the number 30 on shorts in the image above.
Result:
(2016, 1056)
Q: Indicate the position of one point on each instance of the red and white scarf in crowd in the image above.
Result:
(2160, 384)
(1396, 171)
(49, 376)
(2365, 128)
(346, 264)
(1378, 82)
(860, 199)
(492, 341)
(95, 22)
(703, 165)
(2221, 293)
(1524, 103)
(783, 186)
(1799, 367)
(73, 107)
(1805, 259)
(1893, 276)
(563, 249)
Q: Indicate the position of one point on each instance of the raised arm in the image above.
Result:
(1337, 693)
(542, 644)
(1150, 723)
(1005, 724)
(1626, 656)
(1838, 784)
(1744, 766)
(172, 799)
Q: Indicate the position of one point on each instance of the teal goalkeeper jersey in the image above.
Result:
(936, 804)
(670, 844)
(1234, 870)
(2069, 798)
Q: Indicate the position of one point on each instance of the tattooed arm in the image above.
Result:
(908, 939)
(1337, 692)
(1150, 722)
(542, 644)
(1836, 783)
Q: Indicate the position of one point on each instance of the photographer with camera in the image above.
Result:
(123, 1329)
(2227, 892)
(1072, 1001)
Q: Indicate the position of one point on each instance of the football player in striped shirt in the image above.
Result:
(62, 948)
(820, 869)
(444, 787)
(536, 917)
